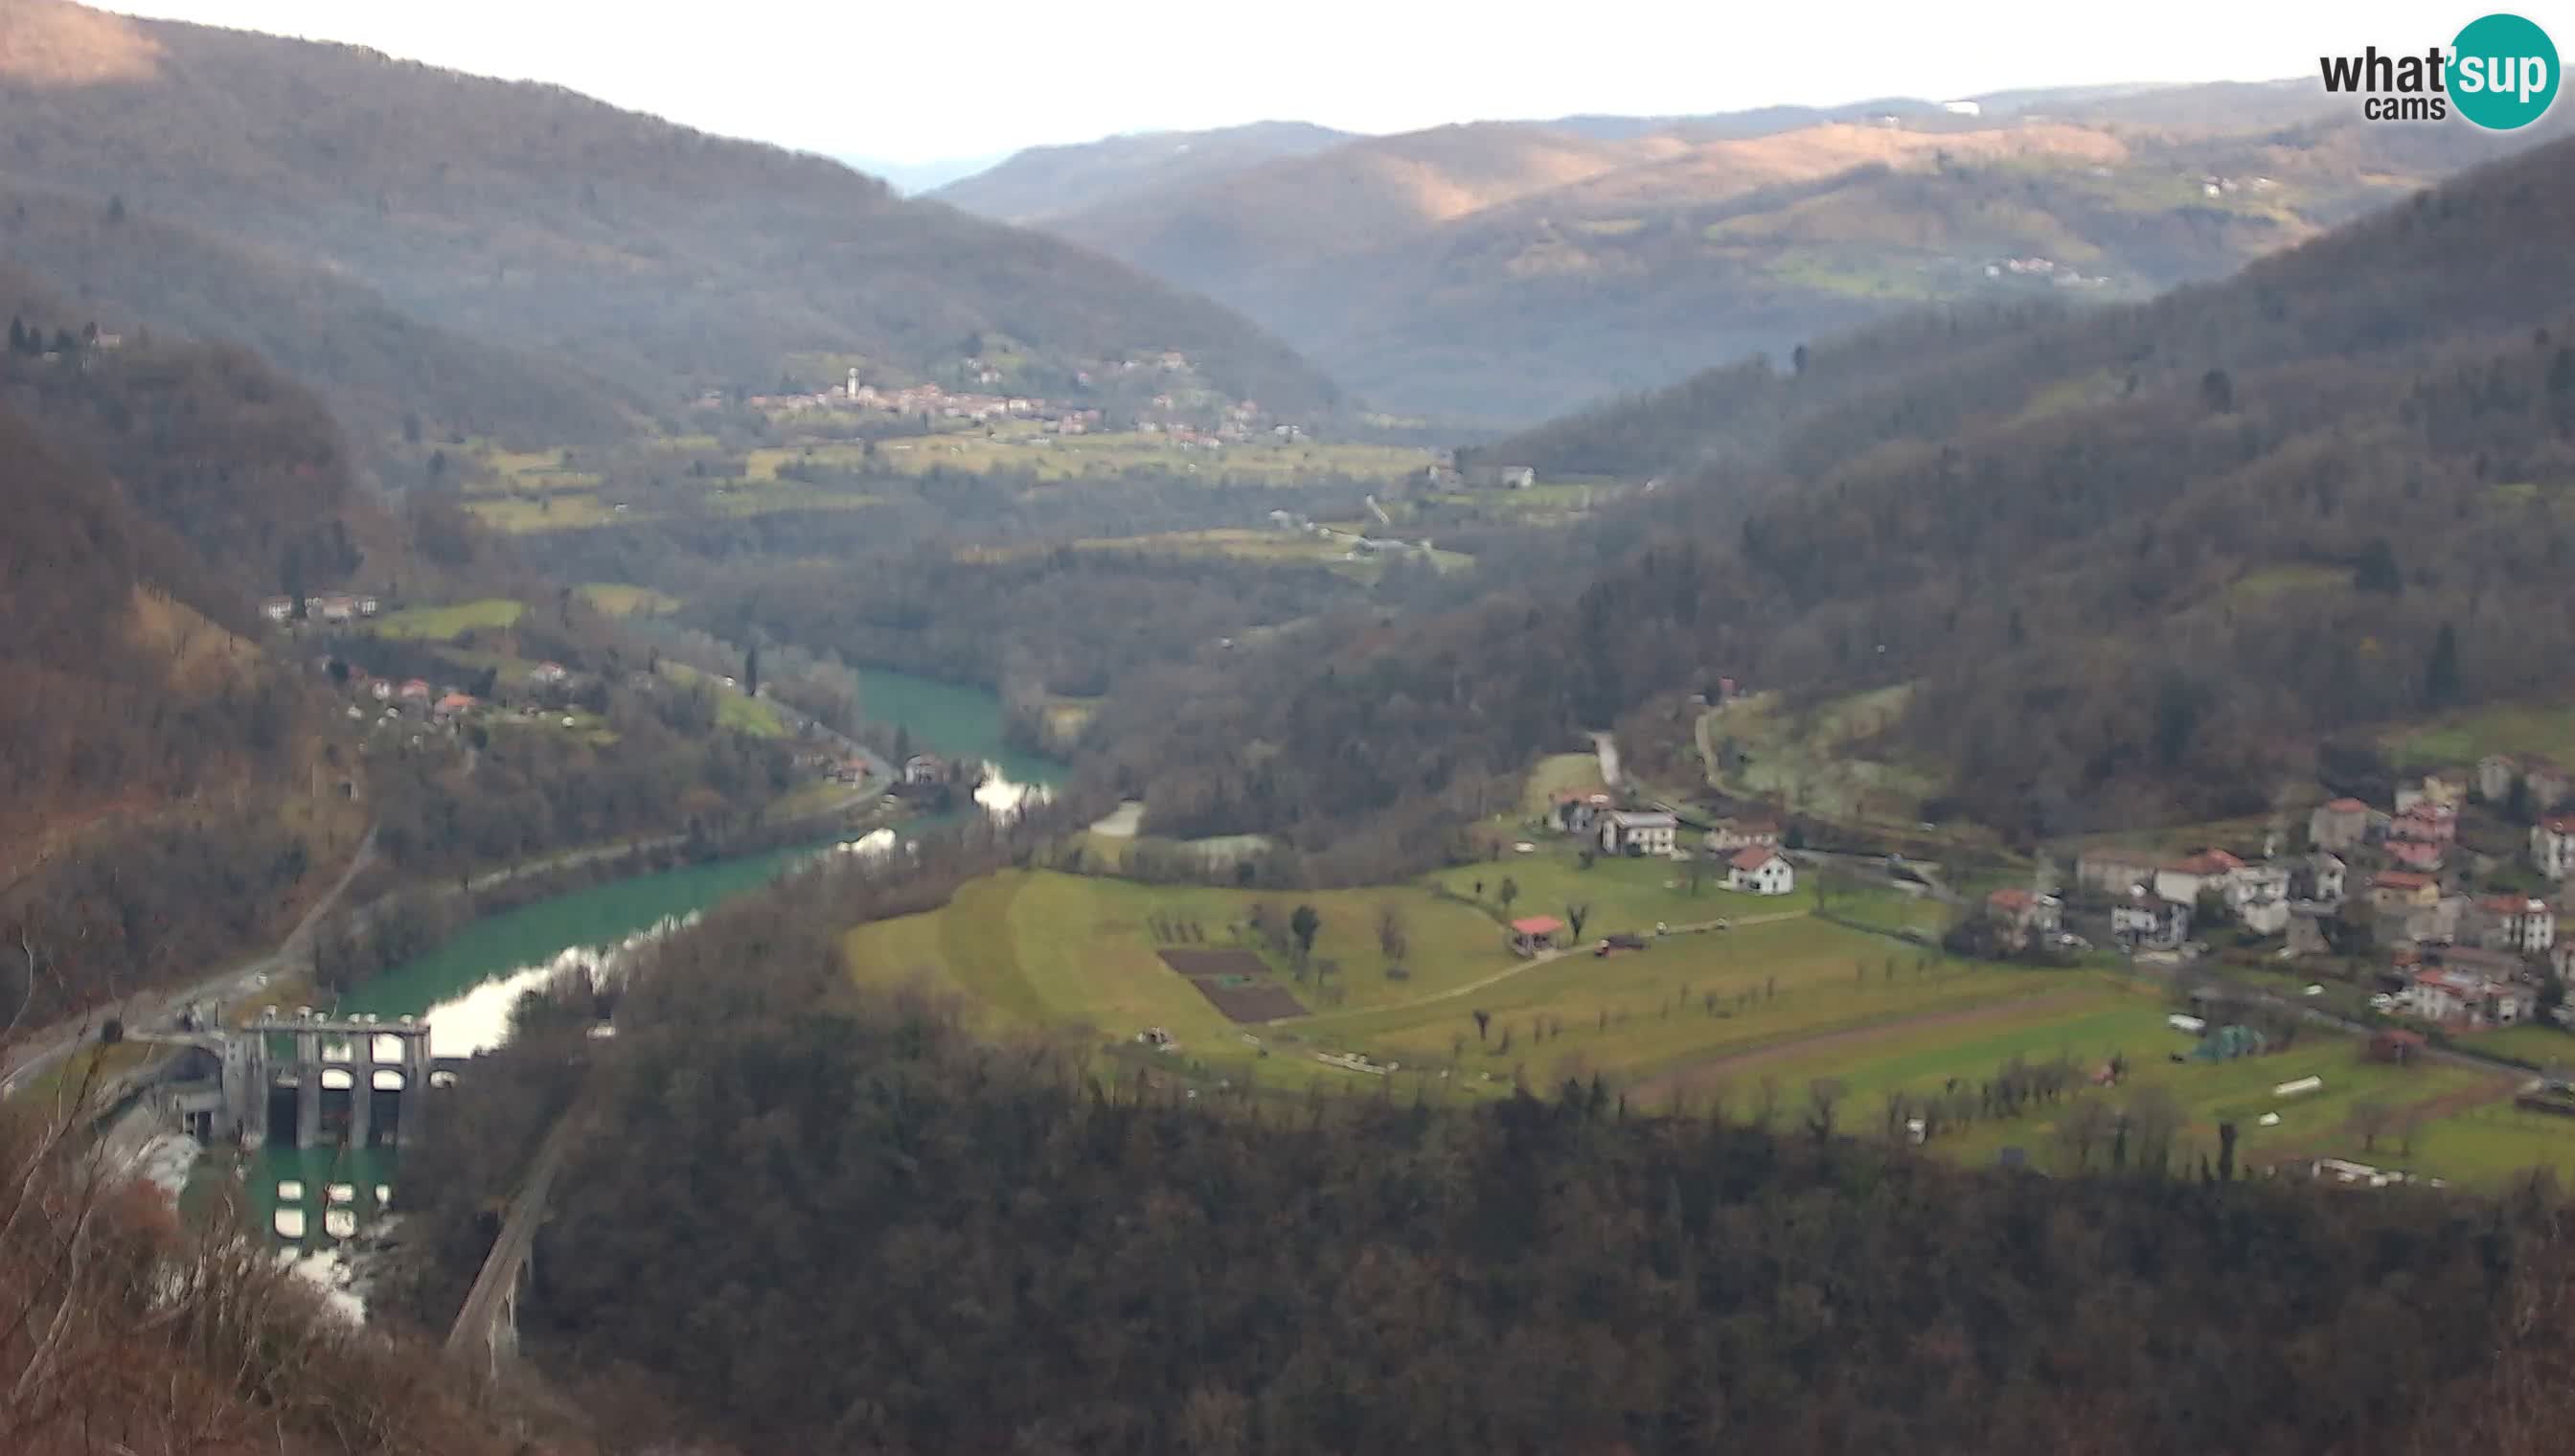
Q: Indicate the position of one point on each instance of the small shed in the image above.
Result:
(2396, 1044)
(1534, 933)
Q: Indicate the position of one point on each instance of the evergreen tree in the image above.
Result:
(17, 335)
(2377, 570)
(2441, 677)
(2217, 391)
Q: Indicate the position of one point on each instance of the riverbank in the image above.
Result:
(502, 934)
(954, 721)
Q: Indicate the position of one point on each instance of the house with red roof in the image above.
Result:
(2426, 821)
(2397, 891)
(2423, 856)
(2462, 997)
(1534, 933)
(1760, 869)
(2022, 915)
(2184, 879)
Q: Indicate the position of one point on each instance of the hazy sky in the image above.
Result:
(915, 82)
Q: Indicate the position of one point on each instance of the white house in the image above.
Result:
(1635, 831)
(2322, 876)
(922, 768)
(2259, 897)
(2338, 826)
(277, 609)
(2552, 845)
(2208, 869)
(2516, 922)
(2150, 922)
(2264, 914)
(1760, 869)
(2454, 995)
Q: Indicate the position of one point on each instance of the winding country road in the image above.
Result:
(47, 1049)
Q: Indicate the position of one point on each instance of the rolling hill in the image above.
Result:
(634, 260)
(377, 364)
(1510, 271)
(2134, 562)
(1227, 233)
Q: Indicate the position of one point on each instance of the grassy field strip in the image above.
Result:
(1851, 1053)
(2488, 1145)
(1640, 1012)
(1548, 957)
(438, 623)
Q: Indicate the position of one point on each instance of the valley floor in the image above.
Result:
(1754, 1022)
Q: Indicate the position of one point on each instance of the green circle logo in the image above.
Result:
(2503, 72)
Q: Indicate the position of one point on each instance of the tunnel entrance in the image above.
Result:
(282, 1113)
(384, 1117)
(337, 1109)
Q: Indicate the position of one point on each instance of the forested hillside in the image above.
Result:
(984, 1248)
(120, 1331)
(2134, 562)
(178, 782)
(645, 260)
(381, 370)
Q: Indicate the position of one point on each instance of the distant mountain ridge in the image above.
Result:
(2128, 564)
(642, 260)
(1508, 271)
(1040, 182)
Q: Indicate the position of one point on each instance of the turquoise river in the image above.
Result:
(466, 986)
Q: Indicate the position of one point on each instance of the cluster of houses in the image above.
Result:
(1354, 545)
(2454, 957)
(411, 697)
(445, 705)
(926, 400)
(2049, 269)
(1748, 846)
(331, 607)
(1444, 474)
(1234, 420)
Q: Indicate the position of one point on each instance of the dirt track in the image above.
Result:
(1698, 1075)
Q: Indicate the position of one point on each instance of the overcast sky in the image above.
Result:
(914, 81)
